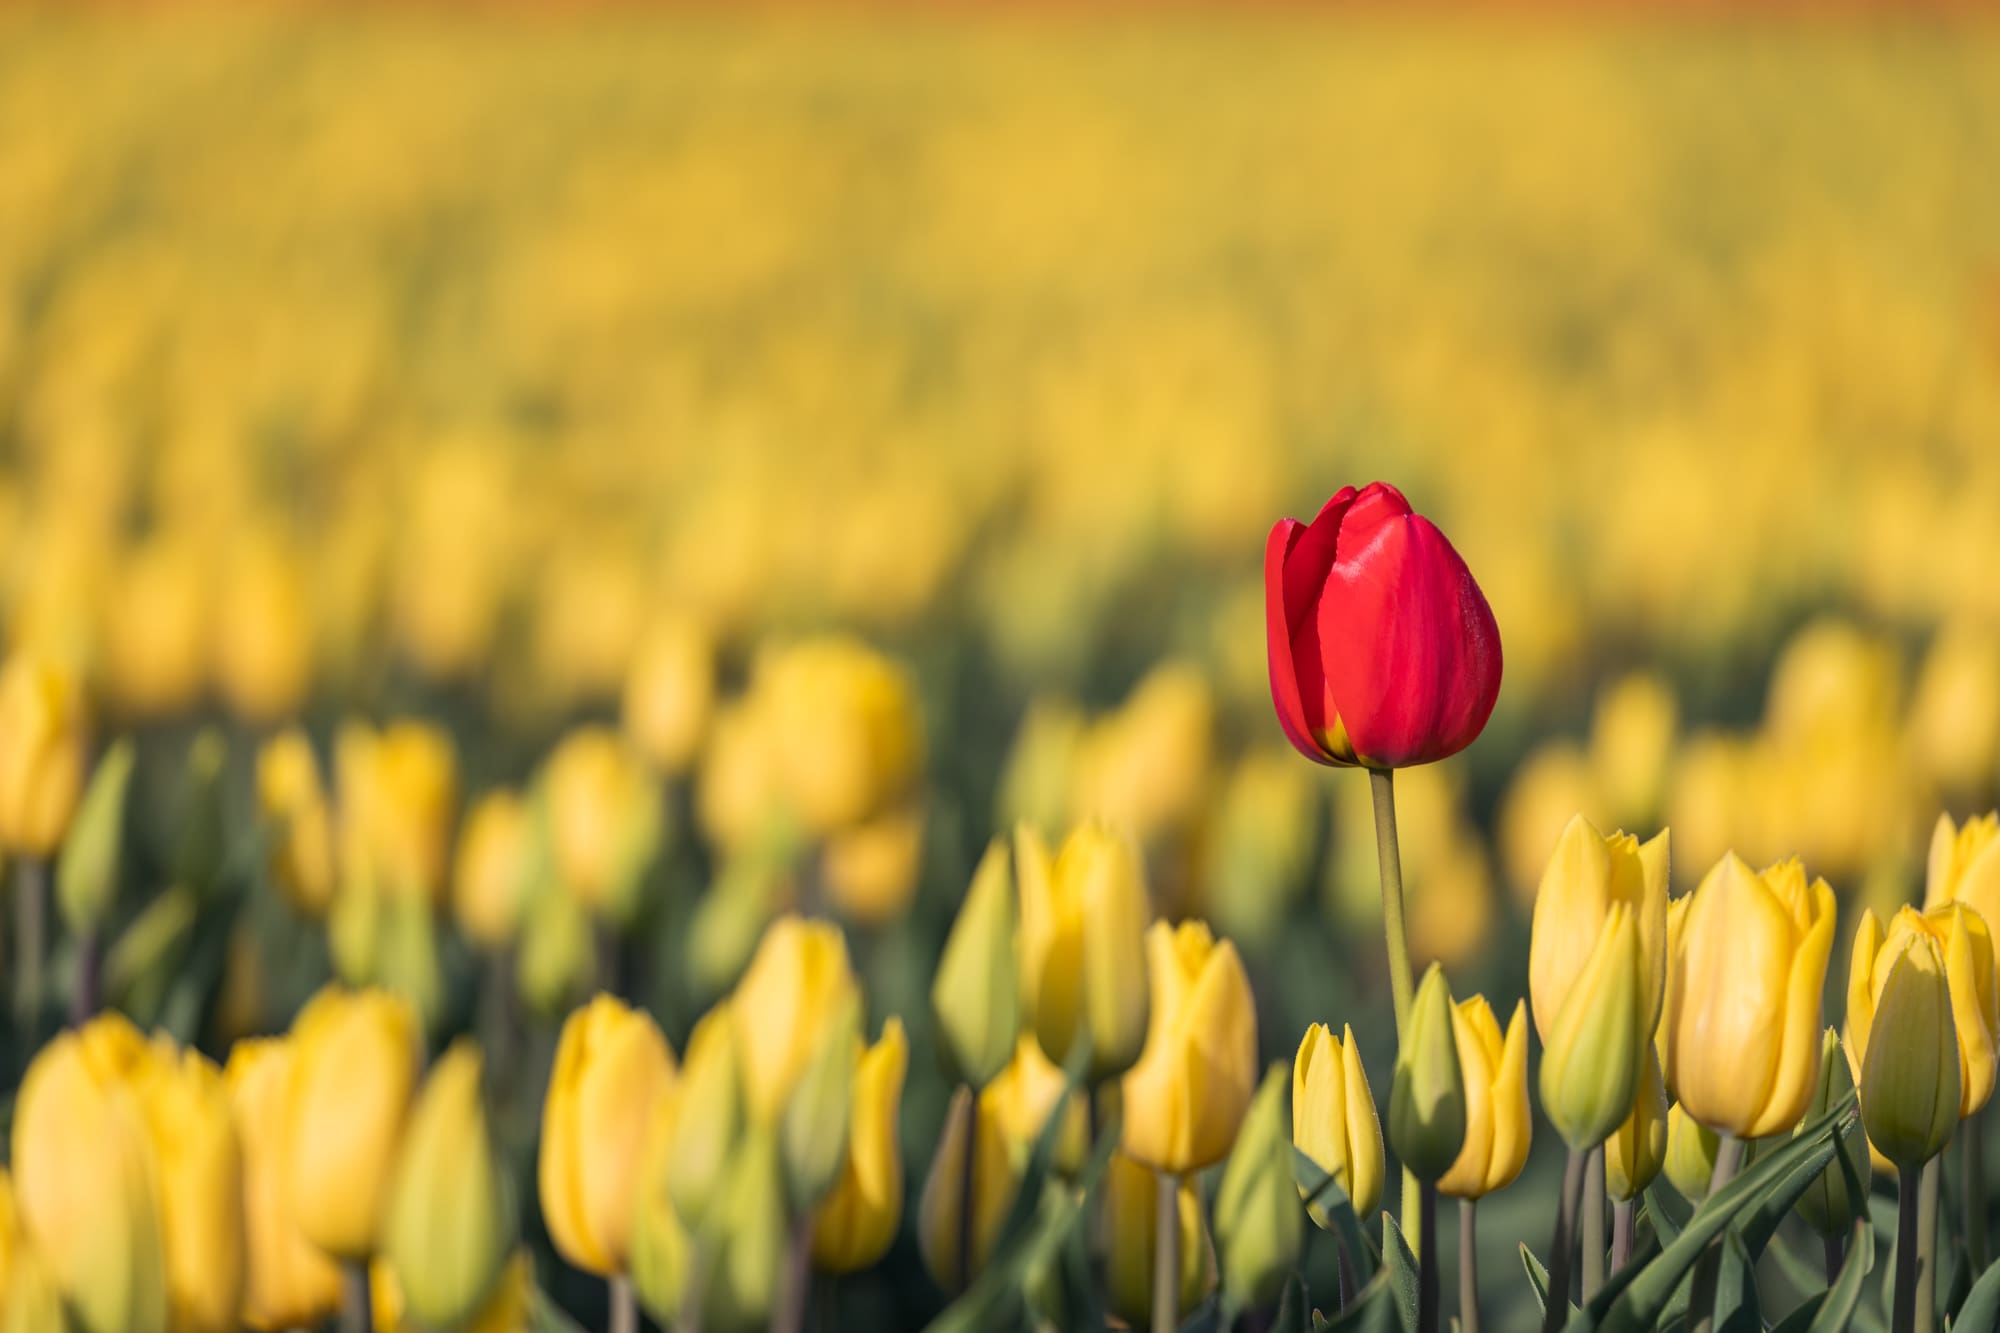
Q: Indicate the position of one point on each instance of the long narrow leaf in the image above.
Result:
(1324, 1192)
(1837, 1310)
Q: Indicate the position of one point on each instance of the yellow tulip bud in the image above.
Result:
(1265, 844)
(606, 816)
(12, 1243)
(290, 1282)
(398, 793)
(294, 807)
(1637, 1149)
(1257, 1207)
(451, 1220)
(844, 719)
(1588, 875)
(43, 735)
(87, 875)
(1828, 1206)
(871, 869)
(1334, 1120)
(1964, 865)
(709, 1118)
(1596, 1050)
(1187, 1095)
(1954, 721)
(1082, 950)
(1967, 949)
(1631, 742)
(1497, 1120)
(1023, 1097)
(1041, 763)
(355, 1056)
(659, 1240)
(1691, 1151)
(670, 691)
(1145, 766)
(557, 953)
(33, 1301)
(813, 1132)
(797, 983)
(1743, 997)
(263, 648)
(856, 1223)
(1427, 1112)
(509, 1308)
(1128, 1227)
(86, 1181)
(942, 1222)
(499, 856)
(611, 1066)
(1909, 1073)
(976, 993)
(200, 1161)
(744, 1276)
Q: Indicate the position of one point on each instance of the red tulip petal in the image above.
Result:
(1411, 649)
(1278, 640)
(1296, 560)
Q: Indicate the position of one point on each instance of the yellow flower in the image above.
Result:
(1588, 875)
(1965, 864)
(42, 742)
(1145, 767)
(155, 628)
(670, 690)
(290, 1281)
(796, 984)
(1427, 1103)
(708, 1116)
(263, 646)
(1128, 1224)
(200, 1161)
(975, 992)
(1631, 742)
(1691, 1151)
(1597, 1050)
(1828, 1205)
(1954, 721)
(1967, 950)
(355, 1056)
(843, 720)
(293, 803)
(871, 869)
(30, 1300)
(1743, 997)
(1334, 1120)
(1637, 1149)
(509, 1308)
(1497, 1119)
(854, 1225)
(86, 1180)
(1186, 1096)
(942, 1222)
(605, 815)
(611, 1067)
(498, 856)
(659, 1239)
(1083, 956)
(1909, 1073)
(398, 794)
(1023, 1096)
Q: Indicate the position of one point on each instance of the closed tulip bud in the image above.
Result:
(293, 804)
(1128, 1224)
(611, 1066)
(398, 793)
(1187, 1095)
(451, 1223)
(509, 1307)
(87, 875)
(942, 1222)
(1257, 1208)
(1967, 949)
(86, 1181)
(1691, 1151)
(155, 631)
(976, 992)
(605, 821)
(557, 952)
(1588, 875)
(407, 956)
(1498, 1123)
(814, 1129)
(198, 844)
(709, 1117)
(1828, 1205)
(1082, 950)
(659, 1239)
(1382, 649)
(1954, 720)
(1637, 1149)
(1427, 1103)
(846, 723)
(1592, 1062)
(499, 856)
(1964, 865)
(855, 1225)
(1023, 1097)
(670, 691)
(745, 1273)
(1743, 997)
(871, 869)
(1909, 1074)
(1632, 741)
(355, 1056)
(290, 1281)
(200, 1161)
(42, 743)
(263, 648)
(1334, 1120)
(796, 986)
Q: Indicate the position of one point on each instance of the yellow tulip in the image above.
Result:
(605, 814)
(451, 1223)
(355, 1056)
(87, 1181)
(871, 869)
(1967, 950)
(155, 628)
(659, 1239)
(1588, 875)
(1145, 767)
(293, 803)
(43, 735)
(1597, 1048)
(510, 1307)
(1691, 1152)
(1829, 1205)
(1631, 742)
(263, 646)
(398, 794)
(1186, 1096)
(1637, 1149)
(1743, 997)
(956, 1236)
(1427, 1103)
(975, 992)
(31, 1302)
(1082, 949)
(497, 861)
(1954, 720)
(1025, 1094)
(1964, 864)
(1334, 1120)
(611, 1067)
(670, 691)
(796, 984)
(1497, 1119)
(290, 1283)
(200, 1161)
(1547, 789)
(854, 1225)
(1127, 1233)
(708, 1118)
(1909, 1073)
(844, 719)
(11, 1241)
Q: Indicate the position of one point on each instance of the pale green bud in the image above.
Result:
(1427, 1101)
(976, 992)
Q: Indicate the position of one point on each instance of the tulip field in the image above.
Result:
(903, 667)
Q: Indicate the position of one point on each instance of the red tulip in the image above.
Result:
(1383, 650)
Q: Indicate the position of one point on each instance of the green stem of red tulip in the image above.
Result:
(1402, 981)
(1593, 1223)
(357, 1302)
(31, 922)
(1555, 1304)
(1468, 1266)
(1708, 1270)
(1621, 1235)
(624, 1307)
(1927, 1248)
(1972, 1187)
(1167, 1255)
(1428, 1295)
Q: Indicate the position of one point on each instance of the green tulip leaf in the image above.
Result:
(1374, 1309)
(1294, 1310)
(1324, 1192)
(1401, 1264)
(1736, 1308)
(1837, 1309)
(1538, 1276)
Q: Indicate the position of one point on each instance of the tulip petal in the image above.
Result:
(1797, 1070)
(1296, 560)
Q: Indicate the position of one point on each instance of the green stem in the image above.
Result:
(1555, 1309)
(1621, 1234)
(1904, 1317)
(1349, 1288)
(624, 1307)
(1972, 1188)
(1708, 1270)
(1468, 1266)
(1427, 1261)
(1167, 1256)
(968, 1182)
(357, 1302)
(795, 1291)
(31, 928)
(1593, 1223)
(1402, 982)
(1927, 1228)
